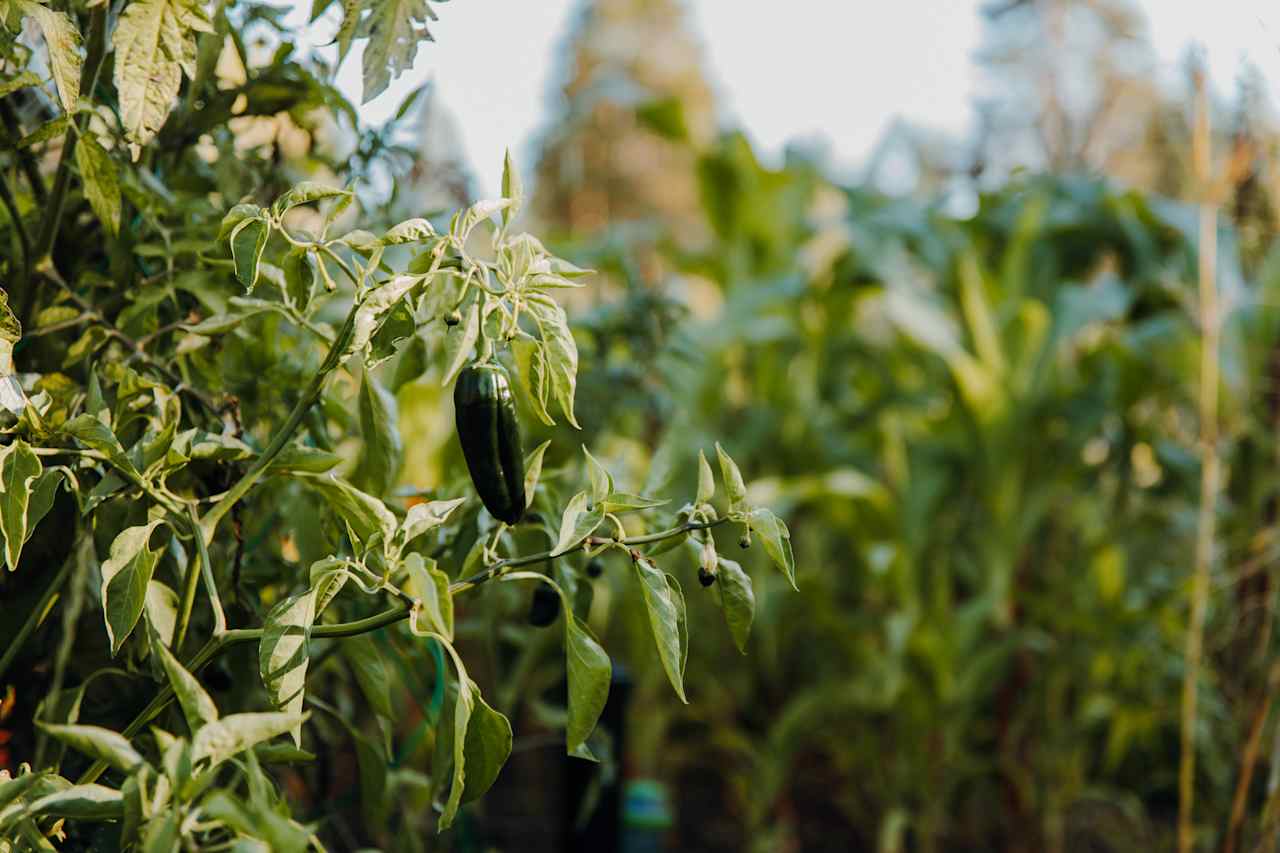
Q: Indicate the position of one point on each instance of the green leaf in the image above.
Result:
(736, 600)
(512, 189)
(161, 609)
(577, 523)
(531, 368)
(379, 426)
(394, 28)
(625, 502)
(24, 80)
(459, 341)
(410, 231)
(283, 655)
(777, 541)
(235, 216)
(425, 516)
(665, 605)
(63, 41)
(80, 802)
(561, 352)
(101, 181)
(19, 469)
(430, 587)
(533, 471)
(328, 577)
(52, 129)
(154, 44)
(601, 480)
(10, 328)
(299, 269)
(486, 748)
(125, 576)
(94, 434)
(196, 704)
(370, 672)
(706, 481)
(589, 672)
(301, 459)
(732, 477)
(367, 517)
(304, 193)
(247, 244)
(98, 743)
(232, 735)
(12, 789)
(375, 308)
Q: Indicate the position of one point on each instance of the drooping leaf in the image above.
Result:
(459, 341)
(161, 610)
(196, 704)
(589, 672)
(561, 352)
(234, 734)
(101, 181)
(283, 655)
(430, 586)
(155, 42)
(248, 241)
(19, 469)
(304, 193)
(665, 606)
(125, 576)
(533, 471)
(736, 600)
(379, 426)
(487, 747)
(97, 742)
(776, 538)
(63, 41)
(395, 28)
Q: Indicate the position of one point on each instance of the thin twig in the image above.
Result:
(26, 160)
(24, 241)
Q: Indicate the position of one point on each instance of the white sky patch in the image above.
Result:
(809, 70)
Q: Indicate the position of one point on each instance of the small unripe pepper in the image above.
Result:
(485, 415)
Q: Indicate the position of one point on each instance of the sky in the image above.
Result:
(496, 66)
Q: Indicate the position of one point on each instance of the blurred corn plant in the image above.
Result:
(983, 431)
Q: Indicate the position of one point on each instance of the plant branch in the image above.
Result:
(24, 240)
(26, 160)
(209, 522)
(35, 616)
(220, 642)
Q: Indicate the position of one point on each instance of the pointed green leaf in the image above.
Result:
(736, 600)
(512, 189)
(232, 735)
(776, 538)
(380, 428)
(283, 655)
(247, 244)
(426, 516)
(434, 611)
(733, 484)
(577, 523)
(370, 672)
(196, 704)
(101, 182)
(80, 802)
(126, 574)
(589, 672)
(98, 743)
(460, 341)
(601, 480)
(533, 471)
(63, 40)
(665, 605)
(487, 747)
(19, 469)
(706, 481)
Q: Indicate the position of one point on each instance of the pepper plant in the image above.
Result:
(199, 452)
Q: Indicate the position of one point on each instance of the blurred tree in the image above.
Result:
(634, 94)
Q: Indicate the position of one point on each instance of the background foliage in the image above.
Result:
(977, 400)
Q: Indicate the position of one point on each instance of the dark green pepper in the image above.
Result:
(544, 607)
(485, 414)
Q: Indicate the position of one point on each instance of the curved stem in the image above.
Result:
(209, 522)
(35, 617)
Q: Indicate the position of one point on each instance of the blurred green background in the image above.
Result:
(971, 381)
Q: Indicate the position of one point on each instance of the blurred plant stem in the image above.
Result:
(1209, 463)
